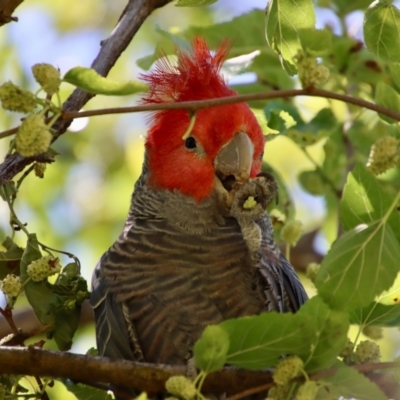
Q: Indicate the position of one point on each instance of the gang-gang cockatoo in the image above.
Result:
(191, 253)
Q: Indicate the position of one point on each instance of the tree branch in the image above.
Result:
(152, 377)
(195, 105)
(7, 8)
(130, 21)
(142, 376)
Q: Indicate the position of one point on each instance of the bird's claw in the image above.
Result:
(253, 197)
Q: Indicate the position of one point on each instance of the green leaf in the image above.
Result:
(89, 80)
(330, 336)
(83, 392)
(259, 341)
(360, 265)
(330, 224)
(10, 259)
(382, 31)
(387, 97)
(352, 384)
(194, 3)
(274, 115)
(365, 201)
(323, 123)
(316, 42)
(377, 314)
(211, 349)
(262, 120)
(284, 19)
(312, 182)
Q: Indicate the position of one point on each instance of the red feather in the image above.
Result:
(196, 76)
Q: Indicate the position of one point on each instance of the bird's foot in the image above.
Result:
(252, 198)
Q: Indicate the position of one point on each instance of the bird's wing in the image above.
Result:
(283, 289)
(115, 334)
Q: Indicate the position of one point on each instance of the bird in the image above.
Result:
(192, 251)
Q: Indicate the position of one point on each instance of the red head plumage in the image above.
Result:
(195, 77)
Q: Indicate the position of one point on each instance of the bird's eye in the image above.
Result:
(190, 142)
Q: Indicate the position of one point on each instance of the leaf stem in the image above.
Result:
(70, 255)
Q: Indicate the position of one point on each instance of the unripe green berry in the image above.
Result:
(373, 332)
(11, 285)
(40, 168)
(347, 353)
(277, 215)
(279, 392)
(307, 391)
(181, 386)
(48, 77)
(312, 271)
(310, 72)
(42, 268)
(250, 203)
(292, 232)
(384, 154)
(287, 369)
(33, 136)
(367, 352)
(14, 98)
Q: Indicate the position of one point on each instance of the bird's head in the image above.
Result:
(225, 144)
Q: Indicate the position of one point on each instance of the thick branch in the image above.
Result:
(152, 377)
(147, 377)
(130, 21)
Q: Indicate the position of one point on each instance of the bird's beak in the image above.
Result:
(234, 161)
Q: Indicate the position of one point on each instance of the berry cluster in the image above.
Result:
(367, 352)
(181, 387)
(48, 77)
(33, 136)
(292, 232)
(312, 271)
(42, 268)
(384, 154)
(14, 98)
(39, 169)
(11, 285)
(310, 72)
(287, 369)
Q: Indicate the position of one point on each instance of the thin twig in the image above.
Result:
(200, 104)
(7, 314)
(196, 105)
